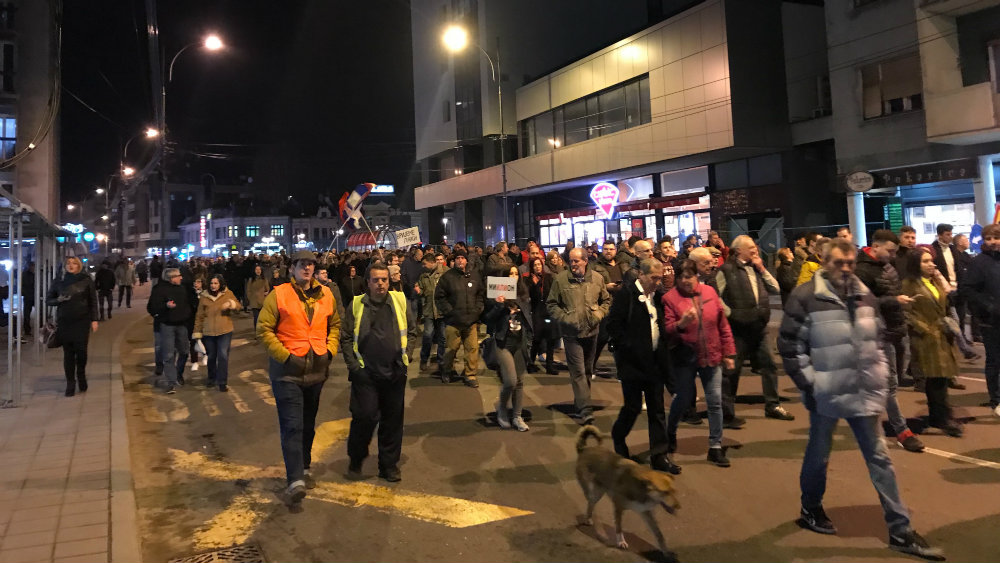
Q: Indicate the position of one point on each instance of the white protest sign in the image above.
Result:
(407, 237)
(496, 286)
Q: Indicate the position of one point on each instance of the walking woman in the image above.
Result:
(197, 354)
(257, 289)
(213, 325)
(509, 322)
(75, 297)
(932, 342)
(694, 320)
(545, 337)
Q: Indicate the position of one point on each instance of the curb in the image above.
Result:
(125, 547)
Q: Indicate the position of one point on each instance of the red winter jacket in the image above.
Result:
(716, 335)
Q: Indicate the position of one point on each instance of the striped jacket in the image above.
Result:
(834, 356)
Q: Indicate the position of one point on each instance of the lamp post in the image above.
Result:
(455, 39)
(210, 43)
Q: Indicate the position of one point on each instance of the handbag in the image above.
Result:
(488, 352)
(49, 336)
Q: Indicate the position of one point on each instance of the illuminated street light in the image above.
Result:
(152, 133)
(213, 43)
(104, 217)
(455, 39)
(128, 171)
(99, 191)
(70, 207)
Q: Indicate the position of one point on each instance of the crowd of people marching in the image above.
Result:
(858, 324)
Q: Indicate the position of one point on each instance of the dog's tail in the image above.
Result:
(587, 431)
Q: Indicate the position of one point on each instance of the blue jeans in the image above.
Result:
(711, 382)
(867, 432)
(297, 407)
(433, 333)
(893, 353)
(176, 346)
(217, 350)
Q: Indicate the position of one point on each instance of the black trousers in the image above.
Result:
(126, 291)
(377, 402)
(939, 412)
(544, 339)
(633, 391)
(750, 346)
(105, 297)
(74, 344)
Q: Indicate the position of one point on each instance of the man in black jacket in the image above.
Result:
(875, 269)
(171, 304)
(634, 323)
(460, 297)
(105, 282)
(982, 292)
(744, 285)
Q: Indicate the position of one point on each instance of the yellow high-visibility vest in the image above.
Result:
(398, 301)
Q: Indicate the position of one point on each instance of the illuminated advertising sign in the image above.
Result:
(88, 236)
(384, 189)
(201, 230)
(605, 195)
(74, 228)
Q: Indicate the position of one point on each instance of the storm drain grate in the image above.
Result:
(247, 553)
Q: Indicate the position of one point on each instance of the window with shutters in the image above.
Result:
(891, 87)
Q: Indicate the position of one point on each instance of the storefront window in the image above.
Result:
(926, 218)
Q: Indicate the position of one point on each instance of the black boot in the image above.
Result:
(82, 381)
(70, 387)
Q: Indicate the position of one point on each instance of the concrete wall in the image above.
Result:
(806, 67)
(433, 79)
(37, 181)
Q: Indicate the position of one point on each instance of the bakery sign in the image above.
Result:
(605, 195)
(962, 169)
(860, 181)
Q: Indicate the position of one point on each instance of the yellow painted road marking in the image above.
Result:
(235, 524)
(238, 401)
(143, 350)
(238, 342)
(263, 390)
(976, 379)
(451, 512)
(153, 414)
(239, 521)
(209, 404)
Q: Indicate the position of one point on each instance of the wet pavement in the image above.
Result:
(207, 466)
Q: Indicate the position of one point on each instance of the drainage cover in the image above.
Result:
(246, 553)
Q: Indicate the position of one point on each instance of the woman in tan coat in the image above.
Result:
(257, 289)
(213, 325)
(932, 341)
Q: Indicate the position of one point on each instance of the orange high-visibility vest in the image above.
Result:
(294, 330)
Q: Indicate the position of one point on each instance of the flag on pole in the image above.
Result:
(350, 205)
(996, 214)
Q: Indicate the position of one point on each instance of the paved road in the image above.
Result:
(207, 465)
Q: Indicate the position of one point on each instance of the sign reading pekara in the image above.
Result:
(496, 286)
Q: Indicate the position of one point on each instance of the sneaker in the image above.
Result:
(953, 384)
(159, 369)
(294, 493)
(503, 419)
(194, 366)
(718, 457)
(816, 520)
(912, 543)
(170, 390)
(520, 425)
(307, 478)
(209, 383)
(471, 382)
(204, 360)
(532, 368)
(909, 441)
(390, 474)
(552, 371)
(587, 418)
(951, 428)
(354, 470)
(734, 423)
(180, 380)
(224, 388)
(778, 413)
(692, 418)
(996, 410)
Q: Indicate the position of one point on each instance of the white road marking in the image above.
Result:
(972, 379)
(962, 458)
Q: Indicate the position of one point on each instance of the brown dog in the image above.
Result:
(631, 486)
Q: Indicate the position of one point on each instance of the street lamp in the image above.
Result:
(455, 39)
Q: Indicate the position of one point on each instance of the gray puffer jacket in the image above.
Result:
(834, 356)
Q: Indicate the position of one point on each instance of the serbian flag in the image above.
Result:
(350, 204)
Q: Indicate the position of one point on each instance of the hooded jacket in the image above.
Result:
(833, 355)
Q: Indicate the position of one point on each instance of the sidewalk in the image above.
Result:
(66, 491)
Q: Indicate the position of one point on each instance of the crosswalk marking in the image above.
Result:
(179, 410)
(209, 404)
(239, 521)
(263, 390)
(238, 401)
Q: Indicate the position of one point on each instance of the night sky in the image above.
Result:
(316, 95)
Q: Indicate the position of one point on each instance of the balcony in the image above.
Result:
(954, 8)
(963, 116)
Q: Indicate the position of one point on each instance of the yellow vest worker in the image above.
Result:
(300, 327)
(376, 338)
